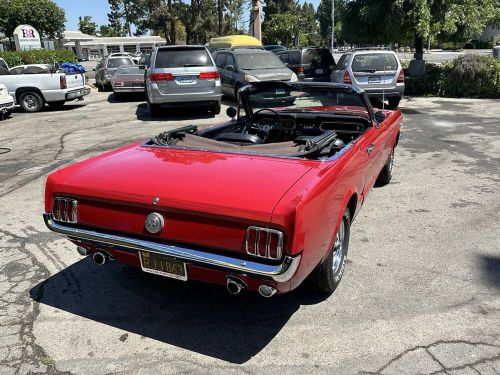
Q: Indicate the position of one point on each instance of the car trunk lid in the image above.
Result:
(207, 199)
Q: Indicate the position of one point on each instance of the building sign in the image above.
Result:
(26, 37)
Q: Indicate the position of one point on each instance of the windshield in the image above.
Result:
(257, 61)
(115, 63)
(292, 99)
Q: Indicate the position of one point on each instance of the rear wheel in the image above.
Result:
(385, 175)
(31, 101)
(154, 109)
(394, 102)
(216, 108)
(327, 275)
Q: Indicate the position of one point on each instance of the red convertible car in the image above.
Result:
(262, 202)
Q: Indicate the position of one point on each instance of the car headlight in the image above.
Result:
(294, 78)
(250, 78)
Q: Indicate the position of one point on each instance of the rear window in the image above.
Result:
(115, 63)
(182, 57)
(3, 65)
(318, 57)
(374, 62)
(130, 70)
(256, 61)
(342, 64)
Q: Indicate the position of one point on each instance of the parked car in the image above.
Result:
(33, 91)
(182, 76)
(262, 202)
(275, 48)
(6, 102)
(128, 79)
(378, 72)
(310, 63)
(239, 66)
(107, 67)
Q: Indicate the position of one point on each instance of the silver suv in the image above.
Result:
(378, 73)
(182, 75)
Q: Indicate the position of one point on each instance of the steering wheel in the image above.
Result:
(276, 114)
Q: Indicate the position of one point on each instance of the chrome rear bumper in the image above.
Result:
(280, 273)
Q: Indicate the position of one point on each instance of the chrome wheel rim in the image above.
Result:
(30, 101)
(338, 248)
(391, 161)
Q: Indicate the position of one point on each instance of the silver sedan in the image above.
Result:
(128, 79)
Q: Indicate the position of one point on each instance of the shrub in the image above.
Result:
(467, 76)
(38, 56)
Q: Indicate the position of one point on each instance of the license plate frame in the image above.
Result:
(147, 259)
(376, 79)
(184, 79)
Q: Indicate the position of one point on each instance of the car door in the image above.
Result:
(231, 73)
(220, 62)
(371, 149)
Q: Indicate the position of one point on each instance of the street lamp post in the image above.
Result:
(333, 24)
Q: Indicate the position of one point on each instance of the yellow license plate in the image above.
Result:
(163, 265)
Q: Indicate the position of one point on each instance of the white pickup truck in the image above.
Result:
(32, 91)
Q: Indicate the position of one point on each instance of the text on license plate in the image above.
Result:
(319, 71)
(163, 265)
(374, 79)
(184, 78)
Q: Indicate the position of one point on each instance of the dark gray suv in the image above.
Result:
(240, 66)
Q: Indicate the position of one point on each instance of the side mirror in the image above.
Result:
(231, 112)
(379, 117)
(230, 68)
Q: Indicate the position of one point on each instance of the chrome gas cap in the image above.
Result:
(154, 223)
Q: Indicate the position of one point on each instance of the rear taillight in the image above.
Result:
(65, 210)
(347, 78)
(300, 69)
(161, 77)
(401, 77)
(209, 75)
(62, 82)
(264, 243)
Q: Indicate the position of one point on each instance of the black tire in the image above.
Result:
(154, 109)
(385, 174)
(99, 87)
(57, 104)
(31, 101)
(394, 102)
(7, 114)
(118, 96)
(327, 275)
(216, 108)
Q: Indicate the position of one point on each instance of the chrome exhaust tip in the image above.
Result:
(267, 291)
(82, 251)
(100, 258)
(234, 285)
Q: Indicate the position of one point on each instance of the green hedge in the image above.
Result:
(38, 56)
(469, 76)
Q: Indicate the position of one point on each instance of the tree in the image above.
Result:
(87, 26)
(43, 15)
(115, 19)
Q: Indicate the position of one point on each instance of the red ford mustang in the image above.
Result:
(262, 202)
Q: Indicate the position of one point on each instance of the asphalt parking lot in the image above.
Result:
(420, 295)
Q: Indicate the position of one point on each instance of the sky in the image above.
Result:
(98, 10)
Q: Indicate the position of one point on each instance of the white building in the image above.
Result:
(88, 47)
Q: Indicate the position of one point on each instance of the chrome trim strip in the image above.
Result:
(279, 273)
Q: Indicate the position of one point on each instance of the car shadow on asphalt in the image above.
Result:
(142, 112)
(199, 317)
(491, 270)
(126, 97)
